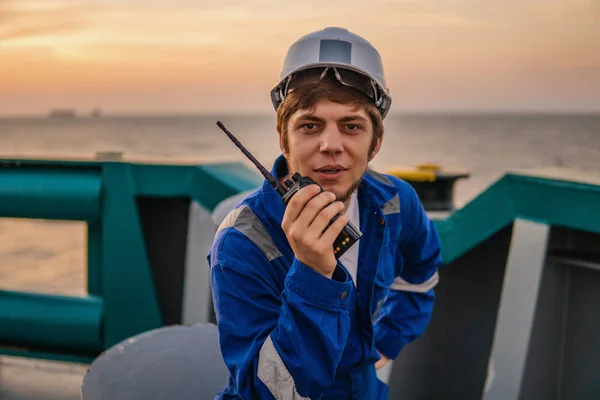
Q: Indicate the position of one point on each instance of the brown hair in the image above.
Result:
(305, 97)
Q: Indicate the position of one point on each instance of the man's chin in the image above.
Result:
(342, 193)
(338, 190)
(342, 190)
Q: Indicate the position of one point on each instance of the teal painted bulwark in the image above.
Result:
(552, 201)
(68, 324)
(57, 193)
(122, 280)
(122, 298)
(126, 279)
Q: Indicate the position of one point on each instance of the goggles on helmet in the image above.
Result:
(346, 77)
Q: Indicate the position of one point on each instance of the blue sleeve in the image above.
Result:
(277, 343)
(407, 308)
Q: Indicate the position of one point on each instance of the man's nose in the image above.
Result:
(331, 140)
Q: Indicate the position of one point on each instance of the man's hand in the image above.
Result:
(382, 362)
(306, 217)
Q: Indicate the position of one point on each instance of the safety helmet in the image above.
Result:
(351, 58)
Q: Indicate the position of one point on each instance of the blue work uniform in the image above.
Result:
(288, 332)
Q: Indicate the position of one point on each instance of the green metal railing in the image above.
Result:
(122, 298)
(126, 295)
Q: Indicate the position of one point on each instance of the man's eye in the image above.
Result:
(352, 127)
(309, 127)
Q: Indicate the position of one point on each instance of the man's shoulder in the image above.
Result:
(237, 211)
(405, 190)
(247, 210)
(243, 232)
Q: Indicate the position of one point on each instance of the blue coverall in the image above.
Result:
(288, 332)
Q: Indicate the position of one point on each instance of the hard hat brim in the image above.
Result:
(385, 101)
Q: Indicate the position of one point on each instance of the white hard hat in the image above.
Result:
(353, 60)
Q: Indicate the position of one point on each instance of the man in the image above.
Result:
(294, 321)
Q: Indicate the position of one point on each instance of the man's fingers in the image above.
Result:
(382, 362)
(314, 218)
(315, 207)
(324, 217)
(334, 230)
(297, 202)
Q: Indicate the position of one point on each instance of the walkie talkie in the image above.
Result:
(347, 237)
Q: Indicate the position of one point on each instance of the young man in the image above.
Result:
(294, 321)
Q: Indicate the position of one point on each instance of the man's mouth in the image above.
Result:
(330, 170)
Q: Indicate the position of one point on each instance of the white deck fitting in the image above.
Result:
(522, 278)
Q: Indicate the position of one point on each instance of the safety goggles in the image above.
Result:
(346, 77)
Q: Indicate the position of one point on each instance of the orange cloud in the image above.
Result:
(24, 20)
(464, 48)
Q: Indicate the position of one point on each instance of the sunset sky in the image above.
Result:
(191, 56)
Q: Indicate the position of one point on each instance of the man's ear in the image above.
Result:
(376, 148)
(282, 147)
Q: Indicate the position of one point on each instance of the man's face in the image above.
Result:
(331, 145)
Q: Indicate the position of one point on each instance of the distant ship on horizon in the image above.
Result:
(96, 112)
(62, 113)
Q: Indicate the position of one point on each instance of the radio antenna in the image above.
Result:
(268, 176)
